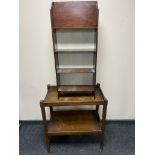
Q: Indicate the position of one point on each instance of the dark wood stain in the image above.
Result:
(73, 122)
(74, 15)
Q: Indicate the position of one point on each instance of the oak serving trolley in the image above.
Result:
(73, 122)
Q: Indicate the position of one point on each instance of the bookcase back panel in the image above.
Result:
(75, 60)
(75, 39)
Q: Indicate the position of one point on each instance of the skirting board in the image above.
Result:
(35, 122)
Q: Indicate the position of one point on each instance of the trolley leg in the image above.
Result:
(51, 111)
(47, 142)
(101, 136)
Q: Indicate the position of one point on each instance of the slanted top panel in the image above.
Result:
(77, 14)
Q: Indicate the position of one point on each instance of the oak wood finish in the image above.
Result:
(76, 88)
(74, 50)
(45, 125)
(75, 70)
(51, 98)
(74, 15)
(73, 122)
(81, 15)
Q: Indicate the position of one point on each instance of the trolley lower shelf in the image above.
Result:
(74, 122)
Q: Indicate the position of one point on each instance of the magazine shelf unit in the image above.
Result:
(74, 31)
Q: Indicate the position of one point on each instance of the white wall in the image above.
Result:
(115, 67)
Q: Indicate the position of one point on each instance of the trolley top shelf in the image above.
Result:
(51, 98)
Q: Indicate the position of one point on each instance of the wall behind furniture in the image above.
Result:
(115, 66)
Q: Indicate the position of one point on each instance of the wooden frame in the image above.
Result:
(79, 15)
(73, 122)
(76, 15)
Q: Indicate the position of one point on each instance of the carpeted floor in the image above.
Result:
(119, 140)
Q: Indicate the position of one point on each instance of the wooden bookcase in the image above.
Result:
(75, 32)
